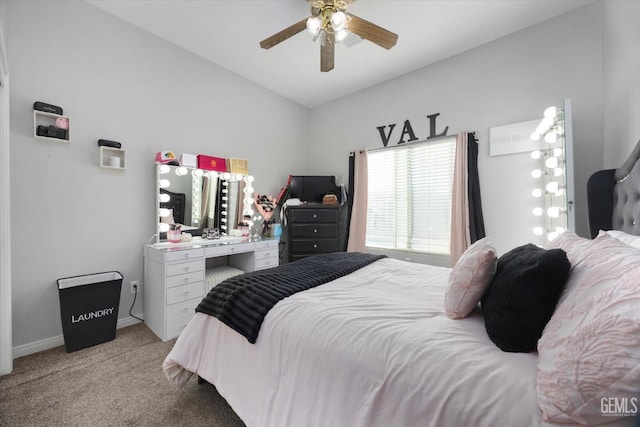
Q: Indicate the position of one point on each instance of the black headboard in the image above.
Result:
(614, 197)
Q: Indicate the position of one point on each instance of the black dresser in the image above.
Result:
(312, 229)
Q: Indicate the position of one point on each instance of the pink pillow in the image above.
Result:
(470, 278)
(589, 352)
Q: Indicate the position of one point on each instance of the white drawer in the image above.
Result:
(267, 253)
(184, 279)
(221, 250)
(185, 292)
(182, 310)
(185, 267)
(261, 264)
(178, 319)
(263, 244)
(184, 255)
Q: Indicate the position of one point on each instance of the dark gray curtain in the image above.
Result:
(476, 219)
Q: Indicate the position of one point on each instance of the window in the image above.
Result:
(410, 190)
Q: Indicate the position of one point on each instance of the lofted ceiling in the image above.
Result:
(228, 32)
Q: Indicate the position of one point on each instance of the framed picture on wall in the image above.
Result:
(513, 138)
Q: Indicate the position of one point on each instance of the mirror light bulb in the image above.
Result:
(551, 162)
(550, 112)
(164, 197)
(535, 136)
(538, 231)
(226, 176)
(551, 137)
(536, 173)
(552, 235)
(558, 172)
(181, 171)
(553, 212)
(536, 154)
(197, 172)
(163, 228)
(557, 152)
(249, 178)
(164, 183)
(162, 169)
(537, 211)
(552, 187)
(537, 192)
(164, 213)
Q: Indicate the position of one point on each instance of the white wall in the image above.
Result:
(621, 64)
(70, 217)
(116, 82)
(506, 81)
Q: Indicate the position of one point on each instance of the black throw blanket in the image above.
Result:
(241, 302)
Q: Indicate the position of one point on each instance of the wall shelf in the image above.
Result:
(112, 158)
(43, 118)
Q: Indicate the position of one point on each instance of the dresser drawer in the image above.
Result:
(267, 243)
(179, 315)
(314, 230)
(184, 255)
(266, 263)
(314, 215)
(184, 279)
(185, 292)
(310, 246)
(185, 267)
(267, 253)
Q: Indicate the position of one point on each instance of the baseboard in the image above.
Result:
(46, 344)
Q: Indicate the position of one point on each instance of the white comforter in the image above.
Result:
(371, 349)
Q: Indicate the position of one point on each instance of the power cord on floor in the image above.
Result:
(135, 295)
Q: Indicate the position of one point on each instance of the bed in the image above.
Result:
(385, 346)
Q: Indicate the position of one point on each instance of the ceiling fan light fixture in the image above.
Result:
(338, 21)
(314, 24)
(340, 35)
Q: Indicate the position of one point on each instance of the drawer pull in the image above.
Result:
(186, 255)
(186, 269)
(186, 280)
(186, 293)
(185, 309)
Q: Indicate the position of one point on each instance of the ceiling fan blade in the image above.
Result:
(327, 54)
(372, 32)
(283, 35)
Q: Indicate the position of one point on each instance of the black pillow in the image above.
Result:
(523, 295)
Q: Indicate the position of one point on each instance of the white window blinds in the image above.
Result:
(410, 189)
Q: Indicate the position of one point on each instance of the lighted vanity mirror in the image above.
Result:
(198, 199)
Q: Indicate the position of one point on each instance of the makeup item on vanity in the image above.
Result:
(173, 235)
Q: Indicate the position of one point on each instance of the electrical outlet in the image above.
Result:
(133, 286)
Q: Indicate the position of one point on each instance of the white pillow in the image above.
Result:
(590, 348)
(627, 238)
(470, 278)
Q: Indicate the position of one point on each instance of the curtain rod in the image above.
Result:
(414, 143)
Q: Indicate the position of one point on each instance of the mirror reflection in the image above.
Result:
(197, 200)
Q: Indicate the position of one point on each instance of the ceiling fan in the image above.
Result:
(329, 23)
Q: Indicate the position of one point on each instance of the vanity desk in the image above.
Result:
(177, 275)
